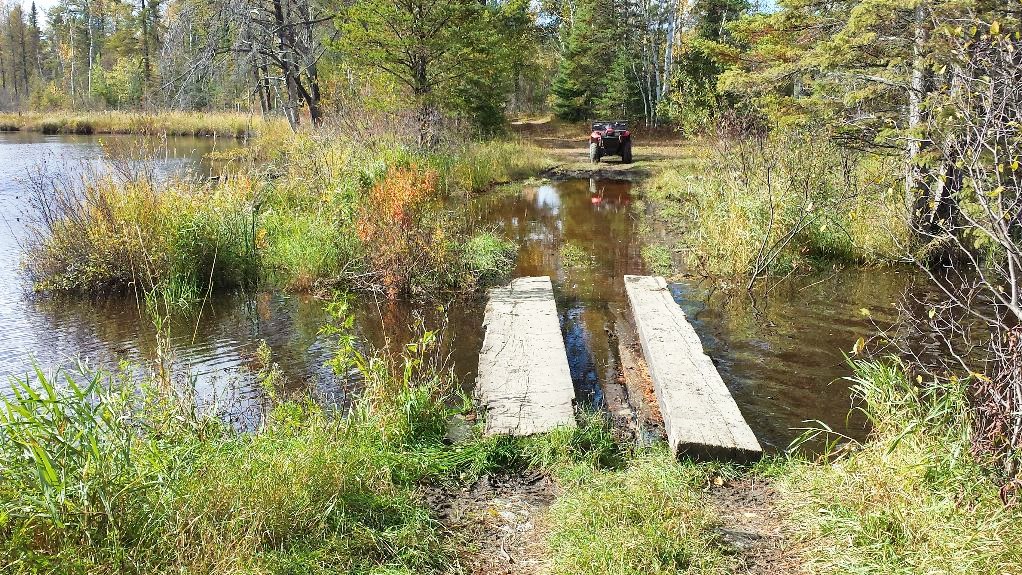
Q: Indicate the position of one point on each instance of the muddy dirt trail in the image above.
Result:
(497, 522)
(753, 527)
(568, 145)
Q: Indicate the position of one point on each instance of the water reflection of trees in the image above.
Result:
(782, 348)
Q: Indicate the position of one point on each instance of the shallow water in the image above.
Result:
(781, 354)
(52, 331)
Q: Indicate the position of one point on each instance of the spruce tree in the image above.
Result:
(587, 60)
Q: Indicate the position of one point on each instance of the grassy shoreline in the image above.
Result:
(304, 212)
(909, 500)
(107, 477)
(749, 206)
(198, 124)
(122, 476)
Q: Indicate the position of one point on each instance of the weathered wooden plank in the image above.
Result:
(700, 415)
(523, 383)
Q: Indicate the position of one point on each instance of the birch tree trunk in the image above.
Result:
(916, 196)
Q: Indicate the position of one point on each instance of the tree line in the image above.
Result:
(479, 61)
(664, 63)
(302, 59)
(934, 85)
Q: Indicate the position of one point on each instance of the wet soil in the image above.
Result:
(604, 171)
(751, 524)
(496, 522)
(634, 376)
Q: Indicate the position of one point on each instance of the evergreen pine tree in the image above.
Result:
(588, 58)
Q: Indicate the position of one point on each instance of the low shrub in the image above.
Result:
(398, 222)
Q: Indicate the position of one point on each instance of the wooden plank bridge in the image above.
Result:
(524, 385)
(700, 415)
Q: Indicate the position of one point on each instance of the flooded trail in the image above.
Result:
(583, 234)
(780, 354)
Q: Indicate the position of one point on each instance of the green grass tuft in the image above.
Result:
(649, 517)
(658, 259)
(489, 258)
(911, 499)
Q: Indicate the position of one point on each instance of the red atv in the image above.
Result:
(610, 139)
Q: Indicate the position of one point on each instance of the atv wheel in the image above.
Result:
(626, 152)
(594, 153)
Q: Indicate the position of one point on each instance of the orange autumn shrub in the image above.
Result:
(394, 223)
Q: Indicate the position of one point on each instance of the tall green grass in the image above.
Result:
(791, 201)
(103, 473)
(294, 213)
(911, 499)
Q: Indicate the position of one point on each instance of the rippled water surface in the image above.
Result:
(781, 354)
(46, 330)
